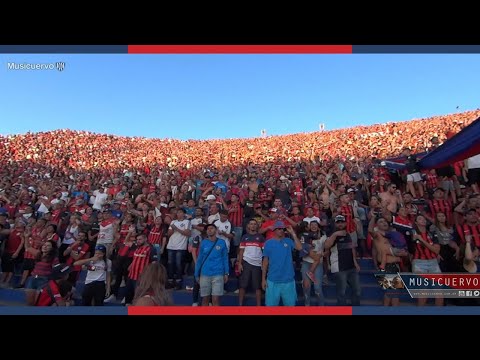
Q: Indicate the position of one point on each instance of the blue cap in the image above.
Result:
(279, 225)
(101, 248)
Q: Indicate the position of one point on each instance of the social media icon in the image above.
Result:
(461, 293)
(476, 293)
(468, 293)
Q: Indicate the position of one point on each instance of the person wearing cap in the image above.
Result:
(57, 291)
(343, 262)
(97, 282)
(267, 228)
(278, 274)
(211, 199)
(212, 267)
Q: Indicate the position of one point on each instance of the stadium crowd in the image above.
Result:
(140, 213)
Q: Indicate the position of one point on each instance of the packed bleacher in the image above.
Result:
(94, 219)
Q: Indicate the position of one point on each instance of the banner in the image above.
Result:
(449, 286)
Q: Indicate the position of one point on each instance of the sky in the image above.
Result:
(231, 96)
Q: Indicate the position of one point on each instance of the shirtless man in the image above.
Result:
(378, 228)
(390, 198)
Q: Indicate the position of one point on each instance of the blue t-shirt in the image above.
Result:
(280, 262)
(222, 186)
(212, 262)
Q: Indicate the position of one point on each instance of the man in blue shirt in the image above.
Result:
(278, 274)
(212, 267)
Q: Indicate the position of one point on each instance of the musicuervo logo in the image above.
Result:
(60, 66)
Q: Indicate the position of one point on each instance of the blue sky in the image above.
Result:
(231, 96)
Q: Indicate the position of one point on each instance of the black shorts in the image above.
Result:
(28, 264)
(473, 176)
(8, 264)
(250, 275)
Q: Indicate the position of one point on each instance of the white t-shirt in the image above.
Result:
(106, 232)
(318, 247)
(178, 241)
(226, 227)
(195, 232)
(70, 235)
(99, 274)
(213, 218)
(100, 199)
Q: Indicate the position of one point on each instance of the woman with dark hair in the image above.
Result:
(150, 290)
(45, 258)
(443, 231)
(52, 234)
